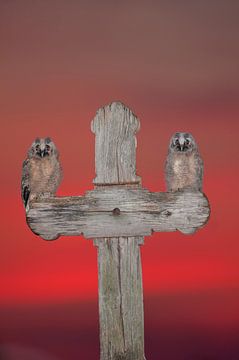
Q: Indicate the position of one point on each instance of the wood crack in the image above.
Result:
(120, 293)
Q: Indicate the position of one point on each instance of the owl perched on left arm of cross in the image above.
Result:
(184, 165)
(41, 171)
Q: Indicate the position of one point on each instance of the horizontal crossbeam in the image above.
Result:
(117, 212)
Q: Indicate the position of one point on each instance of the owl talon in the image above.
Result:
(45, 195)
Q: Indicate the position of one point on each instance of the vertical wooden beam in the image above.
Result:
(115, 127)
(119, 264)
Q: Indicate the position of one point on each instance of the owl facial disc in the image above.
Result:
(42, 147)
(182, 142)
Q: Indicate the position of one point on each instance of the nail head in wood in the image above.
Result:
(116, 211)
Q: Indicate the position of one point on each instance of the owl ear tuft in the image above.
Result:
(37, 140)
(48, 140)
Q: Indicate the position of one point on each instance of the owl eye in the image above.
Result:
(47, 147)
(37, 147)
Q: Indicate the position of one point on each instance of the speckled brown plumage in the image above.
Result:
(184, 165)
(41, 172)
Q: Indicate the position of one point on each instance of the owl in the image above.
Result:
(184, 165)
(41, 171)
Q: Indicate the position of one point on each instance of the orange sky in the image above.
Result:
(175, 64)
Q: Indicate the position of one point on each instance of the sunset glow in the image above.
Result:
(176, 66)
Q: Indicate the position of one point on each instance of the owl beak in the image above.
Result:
(181, 143)
(43, 153)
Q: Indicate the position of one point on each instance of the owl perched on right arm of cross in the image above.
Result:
(41, 171)
(184, 165)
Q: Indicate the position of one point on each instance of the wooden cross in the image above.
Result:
(118, 213)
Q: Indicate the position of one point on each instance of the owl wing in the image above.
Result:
(168, 172)
(199, 172)
(25, 186)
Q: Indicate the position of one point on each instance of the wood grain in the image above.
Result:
(141, 213)
(115, 127)
(117, 214)
(119, 265)
(120, 298)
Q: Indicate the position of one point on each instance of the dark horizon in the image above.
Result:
(66, 331)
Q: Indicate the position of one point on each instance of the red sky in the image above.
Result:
(175, 64)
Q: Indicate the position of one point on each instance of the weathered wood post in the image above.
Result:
(117, 214)
(119, 263)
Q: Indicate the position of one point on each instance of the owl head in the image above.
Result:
(182, 142)
(42, 148)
